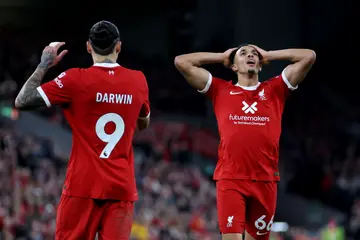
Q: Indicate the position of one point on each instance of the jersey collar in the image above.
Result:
(250, 88)
(107, 65)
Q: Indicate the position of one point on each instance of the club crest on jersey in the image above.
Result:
(262, 95)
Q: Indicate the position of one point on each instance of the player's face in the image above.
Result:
(247, 61)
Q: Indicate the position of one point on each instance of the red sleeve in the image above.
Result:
(212, 87)
(61, 89)
(145, 108)
(282, 86)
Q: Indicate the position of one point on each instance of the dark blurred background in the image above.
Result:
(175, 158)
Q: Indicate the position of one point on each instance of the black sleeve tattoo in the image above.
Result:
(28, 97)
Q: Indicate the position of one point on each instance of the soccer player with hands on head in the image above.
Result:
(249, 115)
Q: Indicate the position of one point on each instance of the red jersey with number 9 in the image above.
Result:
(102, 104)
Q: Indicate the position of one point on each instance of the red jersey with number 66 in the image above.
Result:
(102, 104)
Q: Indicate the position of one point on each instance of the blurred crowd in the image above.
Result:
(177, 201)
(177, 198)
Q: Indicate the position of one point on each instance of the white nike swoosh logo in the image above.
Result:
(235, 93)
(260, 233)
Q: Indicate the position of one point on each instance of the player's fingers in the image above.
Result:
(256, 47)
(62, 54)
(56, 45)
(47, 49)
(59, 45)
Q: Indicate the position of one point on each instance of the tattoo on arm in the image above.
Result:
(29, 97)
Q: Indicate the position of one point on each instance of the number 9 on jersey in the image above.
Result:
(113, 138)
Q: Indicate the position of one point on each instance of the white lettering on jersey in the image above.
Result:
(62, 75)
(249, 120)
(114, 98)
(59, 83)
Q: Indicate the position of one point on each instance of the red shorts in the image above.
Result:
(81, 218)
(246, 205)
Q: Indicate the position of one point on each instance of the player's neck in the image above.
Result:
(248, 80)
(104, 59)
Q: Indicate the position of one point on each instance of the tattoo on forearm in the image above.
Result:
(47, 58)
(28, 96)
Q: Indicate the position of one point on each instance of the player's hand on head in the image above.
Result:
(227, 54)
(50, 56)
(264, 54)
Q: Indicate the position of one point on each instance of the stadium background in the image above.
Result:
(175, 157)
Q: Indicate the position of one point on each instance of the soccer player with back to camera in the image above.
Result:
(103, 104)
(249, 117)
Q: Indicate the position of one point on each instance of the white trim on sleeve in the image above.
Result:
(43, 95)
(208, 84)
(286, 81)
(145, 117)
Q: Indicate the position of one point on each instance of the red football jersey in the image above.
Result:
(102, 104)
(249, 123)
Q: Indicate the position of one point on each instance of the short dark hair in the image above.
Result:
(233, 53)
(103, 37)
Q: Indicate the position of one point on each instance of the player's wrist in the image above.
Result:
(270, 56)
(43, 65)
(42, 68)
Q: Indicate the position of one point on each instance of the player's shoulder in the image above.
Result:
(272, 80)
(221, 82)
(69, 75)
(136, 76)
(70, 72)
(134, 72)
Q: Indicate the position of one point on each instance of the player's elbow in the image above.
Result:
(180, 63)
(143, 123)
(310, 56)
(18, 104)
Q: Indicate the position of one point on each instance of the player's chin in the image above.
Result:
(253, 71)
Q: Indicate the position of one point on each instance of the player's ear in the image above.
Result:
(88, 47)
(118, 47)
(234, 68)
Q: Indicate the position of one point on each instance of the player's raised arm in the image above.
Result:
(29, 97)
(189, 66)
(302, 61)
